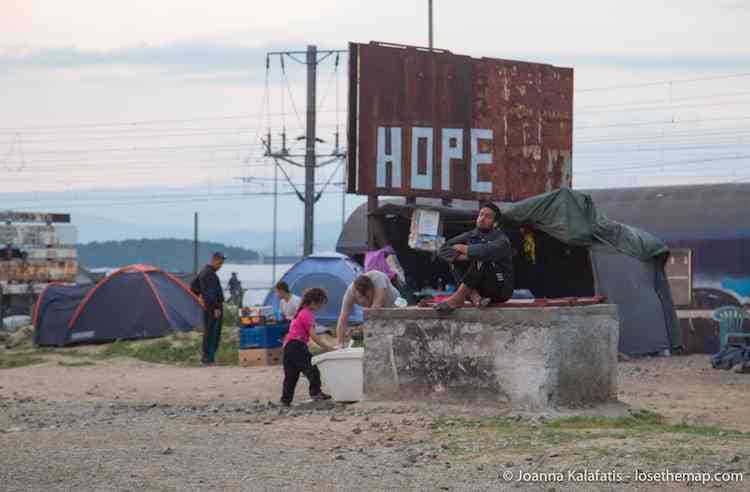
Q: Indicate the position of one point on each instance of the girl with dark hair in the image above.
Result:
(297, 356)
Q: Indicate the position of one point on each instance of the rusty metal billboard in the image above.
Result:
(433, 124)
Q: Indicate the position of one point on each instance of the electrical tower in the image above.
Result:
(312, 58)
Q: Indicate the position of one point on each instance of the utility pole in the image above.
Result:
(447, 202)
(310, 197)
(312, 66)
(195, 244)
(275, 218)
(429, 15)
(343, 199)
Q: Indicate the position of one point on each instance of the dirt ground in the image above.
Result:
(78, 423)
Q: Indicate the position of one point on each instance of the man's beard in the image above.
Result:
(484, 230)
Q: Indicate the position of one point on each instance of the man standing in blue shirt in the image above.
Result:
(209, 288)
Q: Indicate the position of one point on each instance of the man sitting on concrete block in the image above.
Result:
(481, 261)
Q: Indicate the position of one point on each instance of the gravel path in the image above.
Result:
(127, 425)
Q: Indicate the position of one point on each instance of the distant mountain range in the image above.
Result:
(289, 241)
(175, 255)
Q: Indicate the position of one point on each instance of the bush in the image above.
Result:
(231, 315)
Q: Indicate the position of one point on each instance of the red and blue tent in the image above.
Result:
(137, 301)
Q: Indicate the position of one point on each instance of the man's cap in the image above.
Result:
(492, 207)
(219, 254)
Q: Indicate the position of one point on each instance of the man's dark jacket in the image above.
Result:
(491, 246)
(209, 287)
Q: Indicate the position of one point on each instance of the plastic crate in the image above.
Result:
(262, 336)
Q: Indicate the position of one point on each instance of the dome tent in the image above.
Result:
(330, 271)
(53, 311)
(137, 301)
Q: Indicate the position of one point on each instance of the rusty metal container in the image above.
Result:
(433, 124)
(33, 254)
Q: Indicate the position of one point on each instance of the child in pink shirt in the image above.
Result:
(297, 356)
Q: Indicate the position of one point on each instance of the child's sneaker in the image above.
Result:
(321, 396)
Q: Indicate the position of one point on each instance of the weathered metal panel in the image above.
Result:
(679, 275)
(51, 253)
(19, 271)
(434, 124)
(37, 236)
(21, 289)
(8, 216)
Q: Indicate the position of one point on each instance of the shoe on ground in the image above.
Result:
(285, 403)
(321, 396)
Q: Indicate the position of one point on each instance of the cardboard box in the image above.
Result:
(252, 320)
(259, 311)
(261, 357)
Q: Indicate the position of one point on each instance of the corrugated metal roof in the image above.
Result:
(680, 212)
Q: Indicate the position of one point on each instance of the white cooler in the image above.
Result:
(342, 373)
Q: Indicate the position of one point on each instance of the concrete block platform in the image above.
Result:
(532, 359)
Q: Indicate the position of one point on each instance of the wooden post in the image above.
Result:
(372, 206)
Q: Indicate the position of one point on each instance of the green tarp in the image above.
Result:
(571, 217)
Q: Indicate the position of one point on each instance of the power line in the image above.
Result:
(192, 198)
(112, 131)
(291, 96)
(671, 136)
(663, 82)
(142, 122)
(669, 148)
(664, 108)
(658, 164)
(145, 149)
(667, 100)
(662, 122)
(237, 133)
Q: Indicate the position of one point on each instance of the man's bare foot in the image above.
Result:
(476, 300)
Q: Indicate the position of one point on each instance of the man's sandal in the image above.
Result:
(444, 308)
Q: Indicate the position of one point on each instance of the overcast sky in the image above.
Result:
(157, 93)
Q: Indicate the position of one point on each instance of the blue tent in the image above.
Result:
(138, 301)
(330, 271)
(53, 311)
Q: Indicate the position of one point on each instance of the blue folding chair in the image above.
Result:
(730, 320)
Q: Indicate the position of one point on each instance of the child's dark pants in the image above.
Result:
(298, 359)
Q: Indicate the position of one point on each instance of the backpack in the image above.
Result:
(195, 285)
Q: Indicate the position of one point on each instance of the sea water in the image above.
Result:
(257, 280)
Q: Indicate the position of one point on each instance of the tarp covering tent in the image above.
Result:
(137, 301)
(580, 252)
(628, 264)
(330, 271)
(54, 310)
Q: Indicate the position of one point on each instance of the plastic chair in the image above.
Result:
(730, 320)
